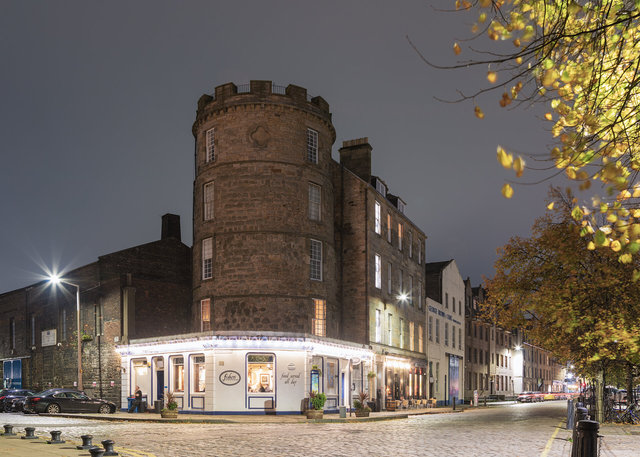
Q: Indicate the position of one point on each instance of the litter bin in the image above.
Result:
(343, 411)
(157, 406)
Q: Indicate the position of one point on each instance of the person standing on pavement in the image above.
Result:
(136, 404)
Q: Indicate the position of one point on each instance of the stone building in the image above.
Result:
(307, 274)
(142, 291)
(445, 292)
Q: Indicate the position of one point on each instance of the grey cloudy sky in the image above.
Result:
(98, 99)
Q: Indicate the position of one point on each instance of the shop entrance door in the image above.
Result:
(160, 384)
(12, 370)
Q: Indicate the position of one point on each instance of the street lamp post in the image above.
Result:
(56, 280)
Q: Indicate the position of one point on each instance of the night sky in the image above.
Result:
(98, 99)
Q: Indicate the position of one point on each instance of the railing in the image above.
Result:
(275, 89)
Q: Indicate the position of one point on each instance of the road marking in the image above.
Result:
(135, 453)
(547, 448)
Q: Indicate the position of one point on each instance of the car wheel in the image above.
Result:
(104, 409)
(53, 409)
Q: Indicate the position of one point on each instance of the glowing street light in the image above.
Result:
(55, 280)
(517, 348)
(403, 296)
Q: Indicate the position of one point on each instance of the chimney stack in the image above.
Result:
(171, 227)
(356, 156)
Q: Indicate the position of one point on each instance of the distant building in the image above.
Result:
(139, 292)
(445, 322)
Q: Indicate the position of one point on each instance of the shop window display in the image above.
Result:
(199, 373)
(260, 372)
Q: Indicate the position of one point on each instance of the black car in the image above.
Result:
(8, 396)
(54, 401)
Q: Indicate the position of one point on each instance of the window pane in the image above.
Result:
(207, 258)
(378, 221)
(316, 260)
(198, 373)
(320, 317)
(314, 202)
(378, 271)
(178, 374)
(210, 146)
(205, 315)
(260, 371)
(312, 146)
(207, 196)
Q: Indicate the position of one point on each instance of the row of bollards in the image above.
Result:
(585, 431)
(95, 451)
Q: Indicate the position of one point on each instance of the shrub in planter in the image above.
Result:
(317, 404)
(362, 410)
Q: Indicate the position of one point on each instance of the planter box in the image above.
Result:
(391, 405)
(362, 413)
(169, 414)
(314, 414)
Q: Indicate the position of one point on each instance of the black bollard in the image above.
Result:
(55, 437)
(587, 444)
(86, 442)
(581, 414)
(108, 447)
(8, 430)
(96, 451)
(29, 433)
(570, 414)
(454, 403)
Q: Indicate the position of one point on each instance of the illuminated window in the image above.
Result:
(315, 261)
(320, 317)
(207, 200)
(420, 338)
(401, 325)
(199, 373)
(260, 372)
(141, 374)
(389, 329)
(400, 235)
(210, 140)
(207, 258)
(378, 326)
(312, 146)
(177, 372)
(378, 271)
(205, 315)
(389, 227)
(378, 221)
(315, 200)
(412, 336)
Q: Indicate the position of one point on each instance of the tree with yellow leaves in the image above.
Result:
(581, 305)
(582, 59)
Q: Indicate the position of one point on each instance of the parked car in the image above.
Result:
(530, 397)
(54, 401)
(8, 396)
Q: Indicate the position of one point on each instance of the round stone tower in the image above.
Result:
(263, 212)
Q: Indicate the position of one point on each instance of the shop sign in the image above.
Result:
(229, 378)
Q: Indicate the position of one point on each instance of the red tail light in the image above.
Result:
(35, 399)
(3, 397)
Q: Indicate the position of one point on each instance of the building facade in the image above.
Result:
(306, 271)
(445, 292)
(139, 292)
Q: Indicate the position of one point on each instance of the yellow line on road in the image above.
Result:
(547, 448)
(136, 453)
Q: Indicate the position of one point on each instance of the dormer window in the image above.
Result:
(381, 188)
(401, 206)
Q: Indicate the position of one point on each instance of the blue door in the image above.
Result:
(12, 377)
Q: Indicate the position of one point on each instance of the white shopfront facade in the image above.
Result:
(244, 374)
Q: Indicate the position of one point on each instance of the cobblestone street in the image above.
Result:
(511, 430)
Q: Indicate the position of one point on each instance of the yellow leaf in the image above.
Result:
(516, 42)
(507, 191)
(485, 3)
(456, 48)
(591, 246)
(478, 112)
(548, 116)
(625, 258)
(519, 60)
(550, 206)
(636, 192)
(615, 246)
(518, 166)
(505, 159)
(492, 76)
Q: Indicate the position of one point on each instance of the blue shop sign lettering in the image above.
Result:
(229, 378)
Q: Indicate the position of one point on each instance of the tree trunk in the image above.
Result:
(599, 416)
(630, 386)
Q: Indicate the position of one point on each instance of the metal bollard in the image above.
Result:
(108, 447)
(587, 445)
(454, 403)
(55, 437)
(96, 451)
(29, 434)
(570, 414)
(8, 430)
(86, 442)
(581, 414)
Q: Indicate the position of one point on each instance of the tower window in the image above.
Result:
(315, 200)
(315, 263)
(312, 146)
(211, 152)
(320, 317)
(207, 258)
(205, 315)
(207, 196)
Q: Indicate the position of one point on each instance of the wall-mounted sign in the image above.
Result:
(229, 378)
(291, 366)
(49, 337)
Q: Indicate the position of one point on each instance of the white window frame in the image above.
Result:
(378, 326)
(390, 329)
(174, 376)
(207, 201)
(315, 202)
(198, 367)
(320, 317)
(377, 220)
(378, 271)
(210, 154)
(401, 331)
(312, 145)
(315, 260)
(381, 188)
(205, 304)
(207, 258)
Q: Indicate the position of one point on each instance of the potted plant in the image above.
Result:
(171, 410)
(362, 409)
(317, 404)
